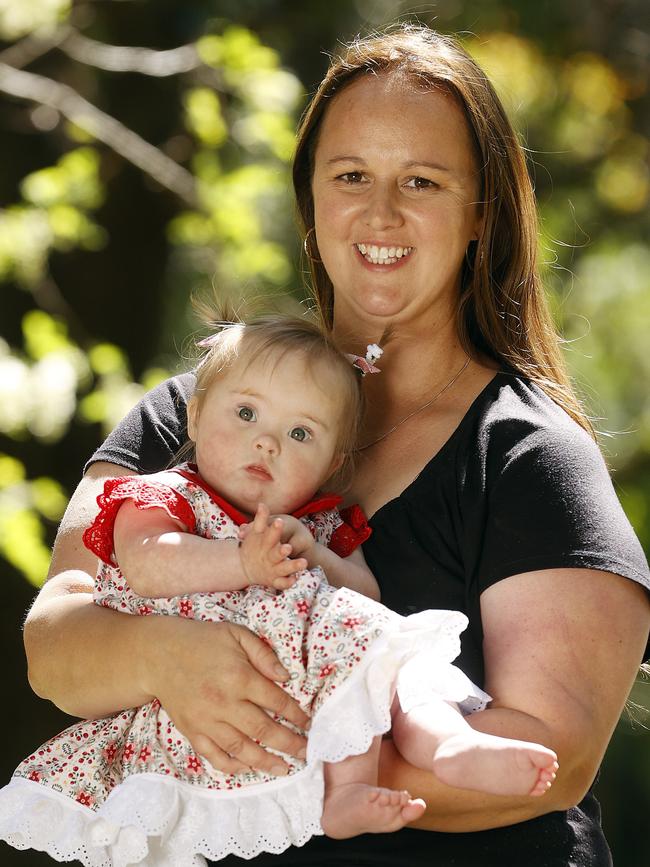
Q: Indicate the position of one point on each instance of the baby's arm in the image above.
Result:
(159, 557)
(350, 571)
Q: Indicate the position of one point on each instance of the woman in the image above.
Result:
(477, 465)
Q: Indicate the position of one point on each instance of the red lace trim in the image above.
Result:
(351, 533)
(98, 538)
(320, 504)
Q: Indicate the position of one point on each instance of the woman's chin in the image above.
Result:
(380, 307)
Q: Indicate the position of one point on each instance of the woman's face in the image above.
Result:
(395, 190)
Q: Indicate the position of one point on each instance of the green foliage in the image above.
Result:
(22, 503)
(19, 19)
(43, 391)
(204, 117)
(235, 51)
(51, 216)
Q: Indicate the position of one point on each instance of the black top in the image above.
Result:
(518, 487)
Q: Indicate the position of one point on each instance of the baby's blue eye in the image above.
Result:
(300, 434)
(245, 413)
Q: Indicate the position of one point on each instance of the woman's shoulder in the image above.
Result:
(151, 434)
(177, 389)
(543, 488)
(517, 443)
(514, 415)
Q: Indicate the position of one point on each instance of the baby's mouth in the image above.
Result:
(377, 255)
(260, 472)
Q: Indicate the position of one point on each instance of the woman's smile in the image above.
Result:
(378, 254)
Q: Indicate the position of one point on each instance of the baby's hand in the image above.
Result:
(265, 558)
(296, 534)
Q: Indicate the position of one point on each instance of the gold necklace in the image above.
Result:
(416, 411)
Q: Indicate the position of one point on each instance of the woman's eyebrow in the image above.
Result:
(407, 165)
(345, 159)
(427, 164)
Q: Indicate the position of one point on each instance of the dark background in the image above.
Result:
(120, 252)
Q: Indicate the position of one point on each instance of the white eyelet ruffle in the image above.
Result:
(156, 821)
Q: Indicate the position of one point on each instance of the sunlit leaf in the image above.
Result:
(22, 542)
(107, 358)
(204, 117)
(43, 334)
(20, 18)
(48, 497)
(12, 471)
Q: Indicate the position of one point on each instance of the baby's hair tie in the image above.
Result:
(220, 328)
(366, 365)
(209, 341)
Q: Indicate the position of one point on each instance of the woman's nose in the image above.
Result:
(382, 208)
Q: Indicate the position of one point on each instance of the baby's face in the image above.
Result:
(267, 432)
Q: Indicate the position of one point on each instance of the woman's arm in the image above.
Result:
(562, 649)
(214, 679)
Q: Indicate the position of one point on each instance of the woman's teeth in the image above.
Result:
(382, 255)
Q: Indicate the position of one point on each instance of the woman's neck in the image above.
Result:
(415, 364)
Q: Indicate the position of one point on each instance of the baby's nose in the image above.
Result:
(268, 444)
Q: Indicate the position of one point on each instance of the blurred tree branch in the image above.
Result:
(66, 100)
(32, 47)
(118, 58)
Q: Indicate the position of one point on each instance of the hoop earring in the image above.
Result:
(305, 245)
(471, 264)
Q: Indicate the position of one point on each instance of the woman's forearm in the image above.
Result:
(88, 660)
(455, 810)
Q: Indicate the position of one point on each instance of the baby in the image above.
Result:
(245, 534)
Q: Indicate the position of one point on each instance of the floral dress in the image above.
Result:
(129, 789)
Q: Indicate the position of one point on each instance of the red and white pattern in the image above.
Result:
(107, 791)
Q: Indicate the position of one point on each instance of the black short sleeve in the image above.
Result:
(551, 504)
(150, 435)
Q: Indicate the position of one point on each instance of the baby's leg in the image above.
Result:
(436, 735)
(354, 804)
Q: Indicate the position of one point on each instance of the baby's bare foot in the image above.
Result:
(500, 766)
(357, 808)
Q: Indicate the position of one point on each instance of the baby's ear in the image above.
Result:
(192, 417)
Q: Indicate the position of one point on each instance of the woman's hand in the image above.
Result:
(216, 682)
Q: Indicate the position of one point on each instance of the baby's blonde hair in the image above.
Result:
(271, 338)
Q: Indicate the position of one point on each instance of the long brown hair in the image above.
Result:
(502, 308)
